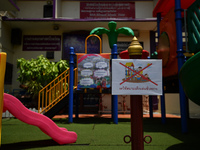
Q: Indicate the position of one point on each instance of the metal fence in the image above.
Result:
(7, 114)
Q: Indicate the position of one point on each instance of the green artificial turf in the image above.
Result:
(101, 134)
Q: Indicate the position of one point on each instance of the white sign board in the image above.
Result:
(136, 77)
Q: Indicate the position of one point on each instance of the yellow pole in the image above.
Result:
(2, 75)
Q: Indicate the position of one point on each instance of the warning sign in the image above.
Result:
(136, 77)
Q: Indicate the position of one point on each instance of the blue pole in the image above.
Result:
(71, 83)
(180, 56)
(151, 107)
(162, 98)
(158, 23)
(77, 104)
(114, 97)
(163, 111)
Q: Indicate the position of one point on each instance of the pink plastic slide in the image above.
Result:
(16, 108)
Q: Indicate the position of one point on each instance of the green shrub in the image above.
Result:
(36, 73)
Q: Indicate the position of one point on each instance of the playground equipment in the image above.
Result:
(190, 70)
(124, 54)
(14, 106)
(189, 78)
(93, 73)
(46, 125)
(167, 44)
(93, 69)
(2, 74)
(136, 77)
(60, 99)
(112, 33)
(162, 8)
(135, 52)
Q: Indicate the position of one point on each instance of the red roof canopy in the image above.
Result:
(163, 6)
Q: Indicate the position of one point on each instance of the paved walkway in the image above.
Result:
(156, 115)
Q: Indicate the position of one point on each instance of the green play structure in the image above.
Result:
(189, 73)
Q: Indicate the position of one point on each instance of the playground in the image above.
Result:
(139, 77)
(101, 133)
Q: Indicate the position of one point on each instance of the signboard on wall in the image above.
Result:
(107, 10)
(122, 46)
(77, 41)
(136, 77)
(93, 70)
(41, 43)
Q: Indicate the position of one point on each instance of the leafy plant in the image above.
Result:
(34, 74)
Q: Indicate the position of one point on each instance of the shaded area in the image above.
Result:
(28, 144)
(101, 133)
(91, 120)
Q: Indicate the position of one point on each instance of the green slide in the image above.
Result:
(189, 76)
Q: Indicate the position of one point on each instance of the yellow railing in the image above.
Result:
(55, 91)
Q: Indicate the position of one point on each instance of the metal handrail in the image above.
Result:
(55, 91)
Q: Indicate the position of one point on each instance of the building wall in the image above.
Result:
(143, 9)
(71, 9)
(5, 36)
(18, 53)
(30, 9)
(67, 9)
(172, 106)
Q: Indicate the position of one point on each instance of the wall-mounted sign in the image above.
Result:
(122, 46)
(41, 43)
(136, 77)
(107, 10)
(93, 70)
(77, 41)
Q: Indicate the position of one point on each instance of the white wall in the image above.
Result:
(5, 36)
(154, 3)
(5, 39)
(58, 11)
(144, 36)
(31, 9)
(18, 53)
(70, 9)
(144, 9)
(172, 105)
(194, 110)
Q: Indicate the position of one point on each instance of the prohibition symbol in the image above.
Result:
(138, 73)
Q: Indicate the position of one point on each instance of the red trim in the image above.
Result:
(163, 6)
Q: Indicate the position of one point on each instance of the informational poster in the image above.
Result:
(107, 10)
(41, 43)
(136, 77)
(93, 70)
